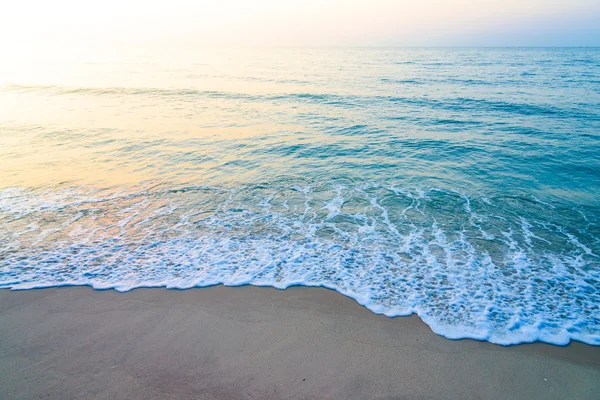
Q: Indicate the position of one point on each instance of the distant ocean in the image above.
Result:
(458, 184)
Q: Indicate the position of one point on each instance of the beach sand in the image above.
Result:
(260, 343)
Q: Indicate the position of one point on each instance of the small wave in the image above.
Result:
(402, 81)
(317, 98)
(120, 91)
(332, 99)
(507, 269)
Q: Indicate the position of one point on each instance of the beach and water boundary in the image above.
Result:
(249, 342)
(456, 184)
(459, 185)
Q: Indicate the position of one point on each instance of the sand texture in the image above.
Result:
(260, 343)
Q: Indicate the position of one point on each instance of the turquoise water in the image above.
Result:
(458, 184)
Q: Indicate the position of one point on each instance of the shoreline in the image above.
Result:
(224, 342)
(432, 325)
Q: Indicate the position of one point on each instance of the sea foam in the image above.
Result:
(506, 269)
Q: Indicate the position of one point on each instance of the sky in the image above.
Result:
(26, 25)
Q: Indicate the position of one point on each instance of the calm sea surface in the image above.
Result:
(459, 184)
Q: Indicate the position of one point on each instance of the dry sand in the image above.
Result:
(260, 343)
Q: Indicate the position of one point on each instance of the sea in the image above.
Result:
(461, 185)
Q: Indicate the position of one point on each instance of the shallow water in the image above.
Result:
(459, 184)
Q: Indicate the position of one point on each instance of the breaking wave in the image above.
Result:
(506, 269)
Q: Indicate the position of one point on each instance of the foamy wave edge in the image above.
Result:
(540, 328)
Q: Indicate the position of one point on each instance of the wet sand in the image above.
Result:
(260, 343)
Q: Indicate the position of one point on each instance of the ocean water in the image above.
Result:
(458, 184)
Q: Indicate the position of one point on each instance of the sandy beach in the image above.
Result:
(260, 343)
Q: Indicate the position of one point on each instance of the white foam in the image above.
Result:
(395, 254)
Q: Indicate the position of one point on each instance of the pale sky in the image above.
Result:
(28, 24)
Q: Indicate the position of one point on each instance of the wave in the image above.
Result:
(458, 104)
(64, 90)
(507, 269)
